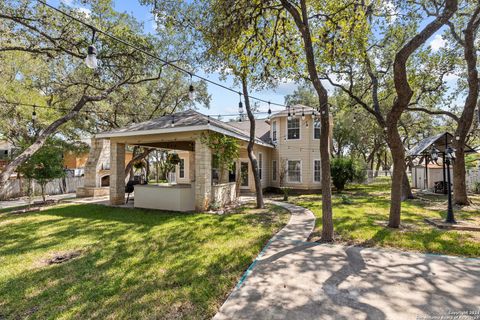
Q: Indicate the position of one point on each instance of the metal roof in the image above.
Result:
(439, 141)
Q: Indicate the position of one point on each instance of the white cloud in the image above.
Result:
(437, 42)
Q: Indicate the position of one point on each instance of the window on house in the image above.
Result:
(294, 170)
(181, 167)
(274, 170)
(274, 131)
(317, 175)
(316, 129)
(260, 166)
(293, 128)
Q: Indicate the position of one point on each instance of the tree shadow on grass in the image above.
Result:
(139, 264)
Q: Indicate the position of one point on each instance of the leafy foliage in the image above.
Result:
(345, 170)
(44, 166)
(225, 149)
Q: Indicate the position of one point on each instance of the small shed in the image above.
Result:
(425, 172)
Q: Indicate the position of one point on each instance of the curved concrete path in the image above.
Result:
(293, 279)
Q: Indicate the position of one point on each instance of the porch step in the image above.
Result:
(247, 193)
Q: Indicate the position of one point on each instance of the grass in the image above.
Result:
(133, 264)
(361, 212)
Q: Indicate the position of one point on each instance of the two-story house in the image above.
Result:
(287, 147)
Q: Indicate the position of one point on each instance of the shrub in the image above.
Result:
(345, 170)
(476, 187)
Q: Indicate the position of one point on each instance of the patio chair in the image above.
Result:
(439, 187)
(129, 188)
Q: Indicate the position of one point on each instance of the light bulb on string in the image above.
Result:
(34, 113)
(208, 120)
(91, 59)
(240, 105)
(289, 115)
(172, 124)
(269, 110)
(191, 90)
(303, 114)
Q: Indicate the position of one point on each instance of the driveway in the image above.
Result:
(294, 279)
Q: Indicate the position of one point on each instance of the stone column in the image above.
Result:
(191, 166)
(203, 176)
(117, 173)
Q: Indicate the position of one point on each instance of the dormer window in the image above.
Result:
(293, 128)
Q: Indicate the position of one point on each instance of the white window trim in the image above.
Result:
(299, 129)
(276, 130)
(274, 167)
(301, 171)
(184, 169)
(260, 166)
(313, 170)
(313, 133)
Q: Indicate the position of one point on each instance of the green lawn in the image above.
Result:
(363, 221)
(133, 264)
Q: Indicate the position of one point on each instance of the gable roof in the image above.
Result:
(262, 128)
(184, 121)
(438, 141)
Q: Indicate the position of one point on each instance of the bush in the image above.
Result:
(345, 170)
(476, 187)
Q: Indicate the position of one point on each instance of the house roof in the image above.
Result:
(184, 121)
(262, 129)
(297, 109)
(438, 141)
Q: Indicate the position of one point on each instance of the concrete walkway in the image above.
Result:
(293, 279)
(24, 201)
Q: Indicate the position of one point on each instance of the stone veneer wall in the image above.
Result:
(224, 193)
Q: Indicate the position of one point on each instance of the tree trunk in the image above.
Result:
(398, 158)
(301, 20)
(251, 144)
(135, 158)
(459, 184)
(39, 142)
(406, 189)
(466, 119)
(325, 136)
(42, 188)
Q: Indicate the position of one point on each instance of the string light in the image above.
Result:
(289, 116)
(269, 110)
(91, 59)
(173, 121)
(208, 120)
(240, 105)
(34, 113)
(191, 90)
(303, 114)
(149, 54)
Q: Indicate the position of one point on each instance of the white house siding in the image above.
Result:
(306, 149)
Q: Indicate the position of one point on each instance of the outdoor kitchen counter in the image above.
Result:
(169, 197)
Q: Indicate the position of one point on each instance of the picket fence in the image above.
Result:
(18, 187)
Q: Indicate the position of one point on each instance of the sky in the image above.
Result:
(222, 101)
